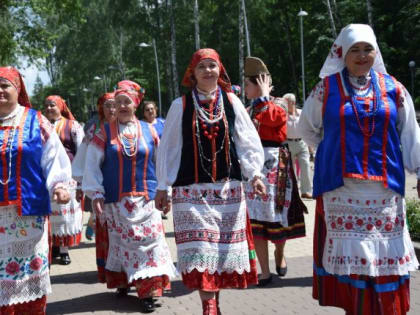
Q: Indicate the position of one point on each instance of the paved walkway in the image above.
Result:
(76, 291)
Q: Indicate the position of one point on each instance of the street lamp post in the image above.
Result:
(412, 66)
(301, 14)
(248, 45)
(157, 71)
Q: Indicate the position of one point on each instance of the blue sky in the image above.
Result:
(30, 74)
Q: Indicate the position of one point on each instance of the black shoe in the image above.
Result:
(264, 282)
(122, 292)
(55, 252)
(281, 271)
(147, 305)
(65, 259)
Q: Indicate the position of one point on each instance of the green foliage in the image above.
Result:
(413, 218)
(81, 39)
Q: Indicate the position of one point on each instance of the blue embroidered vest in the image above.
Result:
(124, 176)
(346, 152)
(27, 186)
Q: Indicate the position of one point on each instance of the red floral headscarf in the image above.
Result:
(12, 75)
(61, 104)
(101, 102)
(199, 55)
(131, 89)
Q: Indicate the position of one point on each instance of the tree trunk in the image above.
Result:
(241, 52)
(369, 12)
(330, 14)
(196, 25)
(173, 52)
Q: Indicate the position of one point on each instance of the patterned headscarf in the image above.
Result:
(61, 104)
(15, 78)
(350, 35)
(206, 53)
(131, 89)
(101, 102)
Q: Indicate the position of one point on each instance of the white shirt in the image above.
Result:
(247, 143)
(292, 125)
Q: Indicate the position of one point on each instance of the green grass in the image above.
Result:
(413, 218)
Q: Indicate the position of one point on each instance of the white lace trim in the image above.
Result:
(168, 269)
(366, 231)
(213, 261)
(210, 227)
(21, 291)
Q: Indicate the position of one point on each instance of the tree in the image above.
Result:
(196, 25)
(369, 12)
(173, 51)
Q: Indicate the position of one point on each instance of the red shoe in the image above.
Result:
(209, 307)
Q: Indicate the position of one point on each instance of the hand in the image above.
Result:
(418, 188)
(61, 196)
(162, 202)
(256, 123)
(263, 82)
(98, 205)
(258, 187)
(79, 195)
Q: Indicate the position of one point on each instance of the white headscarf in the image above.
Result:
(350, 35)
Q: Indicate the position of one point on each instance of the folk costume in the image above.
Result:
(159, 124)
(366, 133)
(97, 227)
(121, 159)
(33, 164)
(67, 220)
(277, 216)
(208, 143)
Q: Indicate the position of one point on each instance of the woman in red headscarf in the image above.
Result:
(66, 221)
(121, 182)
(34, 167)
(208, 146)
(106, 110)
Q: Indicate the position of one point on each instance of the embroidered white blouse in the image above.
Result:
(247, 143)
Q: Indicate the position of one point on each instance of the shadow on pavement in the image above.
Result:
(106, 301)
(90, 277)
(170, 234)
(178, 289)
(89, 244)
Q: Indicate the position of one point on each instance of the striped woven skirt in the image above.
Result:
(277, 216)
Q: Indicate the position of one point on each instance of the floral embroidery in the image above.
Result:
(20, 228)
(336, 51)
(210, 196)
(17, 268)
